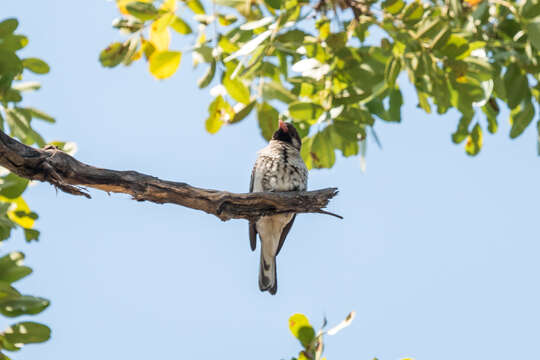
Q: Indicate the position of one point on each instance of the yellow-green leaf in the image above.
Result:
(160, 38)
(305, 152)
(8, 26)
(163, 64)
(219, 112)
(121, 4)
(180, 26)
(226, 20)
(196, 6)
(309, 112)
(142, 10)
(268, 120)
(322, 150)
(236, 89)
(36, 65)
(474, 141)
(207, 78)
(301, 329)
(244, 112)
(521, 117)
(113, 54)
(19, 212)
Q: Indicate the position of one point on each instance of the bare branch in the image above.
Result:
(72, 176)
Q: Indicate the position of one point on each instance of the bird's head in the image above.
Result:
(287, 133)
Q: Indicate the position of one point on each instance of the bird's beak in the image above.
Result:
(283, 126)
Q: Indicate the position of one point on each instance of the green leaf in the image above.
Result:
(491, 109)
(31, 235)
(376, 107)
(516, 85)
(196, 6)
(455, 46)
(356, 115)
(336, 41)
(268, 120)
(391, 71)
(163, 64)
(12, 186)
(36, 65)
(322, 150)
(127, 25)
(113, 54)
(301, 329)
(533, 29)
(207, 78)
(462, 130)
(275, 91)
(323, 25)
(226, 20)
(344, 135)
(202, 53)
(26, 333)
(306, 111)
(219, 112)
(11, 268)
(226, 45)
(8, 292)
(441, 38)
(393, 6)
(24, 305)
(474, 141)
(429, 28)
(180, 26)
(38, 114)
(274, 4)
(142, 10)
(530, 9)
(305, 152)
(413, 13)
(10, 64)
(292, 37)
(244, 112)
(12, 95)
(521, 117)
(236, 89)
(396, 100)
(14, 42)
(8, 26)
(19, 124)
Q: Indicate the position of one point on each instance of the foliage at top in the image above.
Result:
(331, 66)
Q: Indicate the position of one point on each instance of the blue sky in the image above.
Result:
(437, 254)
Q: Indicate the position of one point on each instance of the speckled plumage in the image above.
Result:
(279, 167)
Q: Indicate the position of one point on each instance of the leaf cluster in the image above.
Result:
(14, 304)
(333, 67)
(17, 119)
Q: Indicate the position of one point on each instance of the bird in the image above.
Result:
(279, 167)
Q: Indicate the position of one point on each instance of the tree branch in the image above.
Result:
(71, 176)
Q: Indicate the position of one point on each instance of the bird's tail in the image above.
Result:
(267, 272)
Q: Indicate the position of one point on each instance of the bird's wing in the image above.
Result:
(284, 233)
(252, 227)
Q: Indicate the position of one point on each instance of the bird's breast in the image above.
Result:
(282, 171)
